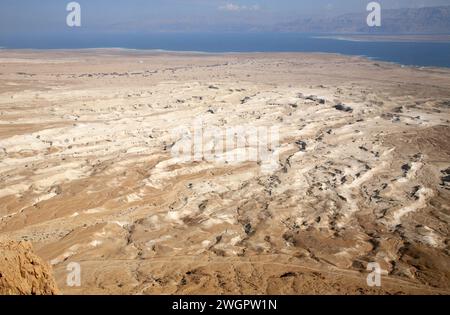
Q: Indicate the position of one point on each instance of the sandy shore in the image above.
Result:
(392, 38)
(88, 175)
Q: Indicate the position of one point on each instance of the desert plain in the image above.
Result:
(88, 174)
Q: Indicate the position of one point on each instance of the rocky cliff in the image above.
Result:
(22, 272)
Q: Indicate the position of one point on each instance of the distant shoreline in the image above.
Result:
(407, 50)
(390, 38)
(161, 52)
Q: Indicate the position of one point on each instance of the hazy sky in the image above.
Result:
(19, 16)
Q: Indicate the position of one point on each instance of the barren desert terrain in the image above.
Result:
(362, 172)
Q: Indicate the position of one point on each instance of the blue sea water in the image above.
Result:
(407, 53)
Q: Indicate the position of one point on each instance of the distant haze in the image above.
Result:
(107, 16)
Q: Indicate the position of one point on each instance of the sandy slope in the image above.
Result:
(87, 172)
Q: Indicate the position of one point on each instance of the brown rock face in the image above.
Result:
(22, 272)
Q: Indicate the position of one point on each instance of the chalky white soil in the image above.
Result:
(87, 172)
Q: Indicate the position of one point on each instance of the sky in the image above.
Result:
(46, 16)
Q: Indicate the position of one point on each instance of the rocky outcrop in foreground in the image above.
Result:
(22, 272)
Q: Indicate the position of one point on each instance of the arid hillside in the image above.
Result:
(357, 171)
